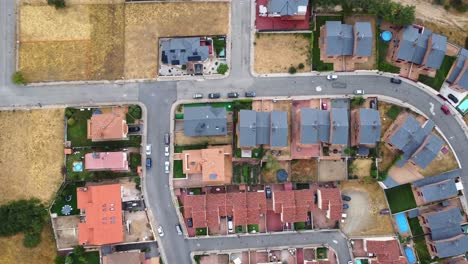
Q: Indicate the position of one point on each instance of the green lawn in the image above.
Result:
(134, 113)
(179, 149)
(135, 160)
(201, 231)
(421, 250)
(400, 198)
(322, 253)
(178, 170)
(317, 64)
(195, 191)
(393, 112)
(227, 105)
(179, 116)
(90, 257)
(251, 228)
(83, 175)
(68, 191)
(416, 228)
(382, 64)
(441, 74)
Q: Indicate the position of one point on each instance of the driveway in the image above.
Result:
(358, 212)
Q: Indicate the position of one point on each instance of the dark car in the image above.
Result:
(453, 98)
(345, 198)
(345, 206)
(384, 211)
(167, 138)
(233, 95)
(268, 192)
(133, 129)
(229, 217)
(250, 94)
(148, 163)
(214, 95)
(315, 198)
(395, 80)
(442, 97)
(189, 222)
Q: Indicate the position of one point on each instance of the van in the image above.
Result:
(167, 139)
(178, 229)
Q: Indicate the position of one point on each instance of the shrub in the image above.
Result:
(59, 259)
(222, 68)
(71, 121)
(18, 78)
(292, 70)
(135, 111)
(31, 239)
(300, 66)
(57, 3)
(184, 67)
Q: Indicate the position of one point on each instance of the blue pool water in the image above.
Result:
(357, 261)
(386, 36)
(402, 223)
(410, 255)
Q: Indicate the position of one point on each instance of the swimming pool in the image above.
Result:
(357, 261)
(402, 223)
(410, 255)
(463, 106)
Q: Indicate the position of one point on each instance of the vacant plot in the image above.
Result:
(400, 198)
(146, 23)
(275, 53)
(384, 112)
(13, 251)
(387, 157)
(332, 170)
(31, 154)
(361, 167)
(442, 163)
(304, 170)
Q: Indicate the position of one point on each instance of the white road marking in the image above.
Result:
(318, 89)
(432, 108)
(334, 241)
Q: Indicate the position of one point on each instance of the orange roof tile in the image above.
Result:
(114, 161)
(293, 204)
(386, 251)
(108, 126)
(209, 162)
(331, 201)
(102, 205)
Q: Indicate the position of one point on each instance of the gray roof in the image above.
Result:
(340, 39)
(413, 213)
(247, 128)
(438, 178)
(178, 51)
(436, 51)
(205, 121)
(444, 224)
(413, 45)
(452, 247)
(389, 182)
(279, 129)
(371, 126)
(315, 126)
(439, 191)
(339, 126)
(364, 39)
(429, 151)
(286, 7)
(457, 68)
(262, 128)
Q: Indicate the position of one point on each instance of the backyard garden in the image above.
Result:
(67, 196)
(246, 173)
(400, 198)
(437, 81)
(317, 64)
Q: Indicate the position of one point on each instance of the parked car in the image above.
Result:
(148, 163)
(133, 129)
(166, 166)
(214, 95)
(345, 206)
(233, 95)
(395, 80)
(359, 92)
(178, 229)
(453, 98)
(250, 94)
(345, 198)
(148, 149)
(324, 106)
(197, 96)
(160, 231)
(331, 77)
(230, 224)
(445, 109)
(268, 192)
(167, 139)
(166, 151)
(189, 222)
(372, 104)
(384, 211)
(441, 96)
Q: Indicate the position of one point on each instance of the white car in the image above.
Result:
(160, 231)
(332, 77)
(166, 151)
(148, 149)
(166, 166)
(359, 92)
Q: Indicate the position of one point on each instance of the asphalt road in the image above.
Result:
(159, 96)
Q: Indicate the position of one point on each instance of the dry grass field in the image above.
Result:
(363, 167)
(31, 156)
(275, 53)
(304, 170)
(442, 163)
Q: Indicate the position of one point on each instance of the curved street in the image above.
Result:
(158, 98)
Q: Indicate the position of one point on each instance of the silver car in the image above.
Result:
(166, 167)
(358, 92)
(166, 151)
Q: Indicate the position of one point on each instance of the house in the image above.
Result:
(420, 46)
(293, 205)
(363, 39)
(458, 74)
(329, 200)
(212, 163)
(337, 39)
(366, 127)
(437, 188)
(446, 237)
(258, 128)
(384, 250)
(287, 9)
(182, 51)
(314, 126)
(126, 257)
(101, 215)
(414, 139)
(339, 131)
(106, 161)
(205, 121)
(108, 126)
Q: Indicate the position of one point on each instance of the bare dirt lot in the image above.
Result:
(275, 53)
(332, 170)
(304, 170)
(442, 163)
(367, 199)
(362, 167)
(451, 23)
(31, 156)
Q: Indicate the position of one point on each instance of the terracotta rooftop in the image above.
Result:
(331, 202)
(108, 126)
(102, 206)
(387, 251)
(209, 162)
(293, 205)
(114, 161)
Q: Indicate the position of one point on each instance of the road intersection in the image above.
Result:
(158, 97)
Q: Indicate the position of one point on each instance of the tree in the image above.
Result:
(60, 259)
(222, 68)
(69, 260)
(292, 70)
(57, 3)
(31, 239)
(18, 78)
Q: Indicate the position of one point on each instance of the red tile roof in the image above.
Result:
(386, 251)
(103, 208)
(108, 126)
(195, 208)
(114, 161)
(293, 205)
(331, 202)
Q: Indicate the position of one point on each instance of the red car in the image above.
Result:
(445, 109)
(324, 106)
